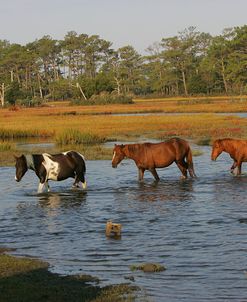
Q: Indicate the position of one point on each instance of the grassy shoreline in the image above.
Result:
(26, 279)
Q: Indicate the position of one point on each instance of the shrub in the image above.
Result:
(104, 99)
(30, 102)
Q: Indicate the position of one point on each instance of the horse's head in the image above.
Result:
(217, 149)
(118, 155)
(20, 166)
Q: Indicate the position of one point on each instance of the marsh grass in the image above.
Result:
(196, 152)
(76, 137)
(203, 141)
(194, 101)
(84, 126)
(15, 133)
(6, 146)
(28, 280)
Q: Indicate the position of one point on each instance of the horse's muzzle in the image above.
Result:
(114, 165)
(16, 179)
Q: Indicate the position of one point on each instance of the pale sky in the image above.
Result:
(139, 23)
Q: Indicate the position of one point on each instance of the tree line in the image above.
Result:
(81, 66)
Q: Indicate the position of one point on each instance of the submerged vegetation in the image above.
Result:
(148, 267)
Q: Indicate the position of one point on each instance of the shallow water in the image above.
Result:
(196, 228)
(238, 114)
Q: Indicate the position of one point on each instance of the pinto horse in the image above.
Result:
(52, 167)
(149, 156)
(236, 148)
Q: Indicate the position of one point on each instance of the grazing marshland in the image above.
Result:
(87, 127)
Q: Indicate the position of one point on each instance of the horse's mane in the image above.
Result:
(134, 149)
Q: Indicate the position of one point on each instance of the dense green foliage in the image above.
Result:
(81, 66)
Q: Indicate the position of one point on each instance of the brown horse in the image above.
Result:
(149, 156)
(236, 148)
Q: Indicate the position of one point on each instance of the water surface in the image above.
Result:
(196, 228)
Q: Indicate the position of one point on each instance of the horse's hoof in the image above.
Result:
(183, 177)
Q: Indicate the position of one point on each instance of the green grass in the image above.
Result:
(28, 280)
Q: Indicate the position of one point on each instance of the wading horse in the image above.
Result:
(149, 156)
(52, 167)
(236, 148)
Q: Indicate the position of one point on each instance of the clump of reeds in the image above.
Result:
(76, 137)
(204, 141)
(6, 146)
(10, 133)
(196, 152)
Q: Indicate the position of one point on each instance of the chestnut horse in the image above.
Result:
(236, 148)
(149, 156)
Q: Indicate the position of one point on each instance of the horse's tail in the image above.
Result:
(190, 163)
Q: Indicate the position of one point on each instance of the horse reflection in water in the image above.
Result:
(165, 192)
(149, 156)
(57, 200)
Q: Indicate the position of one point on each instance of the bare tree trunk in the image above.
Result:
(2, 92)
(78, 86)
(17, 75)
(118, 85)
(184, 82)
(11, 76)
(40, 88)
(223, 75)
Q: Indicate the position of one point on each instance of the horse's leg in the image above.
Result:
(76, 182)
(183, 168)
(80, 177)
(47, 186)
(234, 165)
(41, 187)
(155, 174)
(239, 166)
(141, 173)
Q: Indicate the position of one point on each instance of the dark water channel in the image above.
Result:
(196, 228)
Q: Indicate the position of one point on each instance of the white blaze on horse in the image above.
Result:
(53, 167)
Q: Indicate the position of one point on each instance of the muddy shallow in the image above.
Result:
(196, 228)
